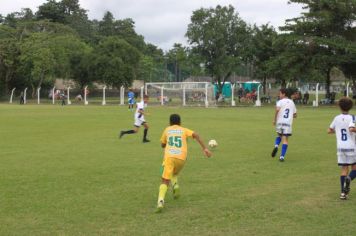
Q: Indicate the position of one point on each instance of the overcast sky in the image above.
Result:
(164, 22)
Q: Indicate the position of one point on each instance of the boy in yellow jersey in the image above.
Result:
(174, 140)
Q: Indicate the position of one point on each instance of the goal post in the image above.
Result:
(180, 93)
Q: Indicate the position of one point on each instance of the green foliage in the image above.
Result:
(124, 29)
(57, 42)
(152, 64)
(37, 59)
(46, 56)
(262, 50)
(326, 31)
(9, 53)
(114, 62)
(80, 63)
(51, 10)
(178, 62)
(150, 69)
(219, 35)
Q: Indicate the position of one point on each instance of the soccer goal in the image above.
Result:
(181, 93)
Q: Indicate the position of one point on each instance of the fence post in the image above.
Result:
(316, 102)
(206, 95)
(122, 95)
(258, 101)
(104, 101)
(184, 103)
(232, 95)
(25, 96)
(53, 95)
(162, 100)
(38, 95)
(142, 88)
(347, 89)
(12, 94)
(85, 95)
(68, 99)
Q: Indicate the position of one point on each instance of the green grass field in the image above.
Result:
(63, 171)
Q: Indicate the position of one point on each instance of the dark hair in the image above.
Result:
(283, 91)
(174, 119)
(288, 91)
(345, 104)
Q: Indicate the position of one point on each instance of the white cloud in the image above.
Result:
(164, 22)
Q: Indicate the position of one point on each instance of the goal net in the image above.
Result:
(181, 93)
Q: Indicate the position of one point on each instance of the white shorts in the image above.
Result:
(139, 121)
(284, 129)
(346, 158)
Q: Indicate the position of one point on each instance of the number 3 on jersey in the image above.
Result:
(343, 135)
(175, 141)
(286, 113)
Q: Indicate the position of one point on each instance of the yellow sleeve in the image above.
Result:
(188, 132)
(164, 137)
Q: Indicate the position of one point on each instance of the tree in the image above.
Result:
(178, 62)
(80, 63)
(219, 35)
(124, 29)
(325, 31)
(33, 52)
(263, 51)
(9, 53)
(106, 25)
(114, 62)
(46, 56)
(59, 41)
(290, 61)
(37, 60)
(148, 70)
(51, 10)
(67, 12)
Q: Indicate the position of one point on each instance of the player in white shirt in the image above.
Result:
(139, 120)
(343, 126)
(283, 120)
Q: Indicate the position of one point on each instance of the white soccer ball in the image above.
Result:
(212, 143)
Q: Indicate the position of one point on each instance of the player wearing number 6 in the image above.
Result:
(283, 120)
(174, 141)
(343, 126)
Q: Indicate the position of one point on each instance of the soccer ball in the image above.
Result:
(212, 143)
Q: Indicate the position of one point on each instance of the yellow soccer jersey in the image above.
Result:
(175, 138)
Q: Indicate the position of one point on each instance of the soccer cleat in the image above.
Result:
(176, 191)
(160, 206)
(274, 152)
(343, 196)
(146, 141)
(121, 134)
(281, 158)
(347, 185)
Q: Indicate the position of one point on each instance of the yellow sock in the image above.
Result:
(174, 180)
(162, 192)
